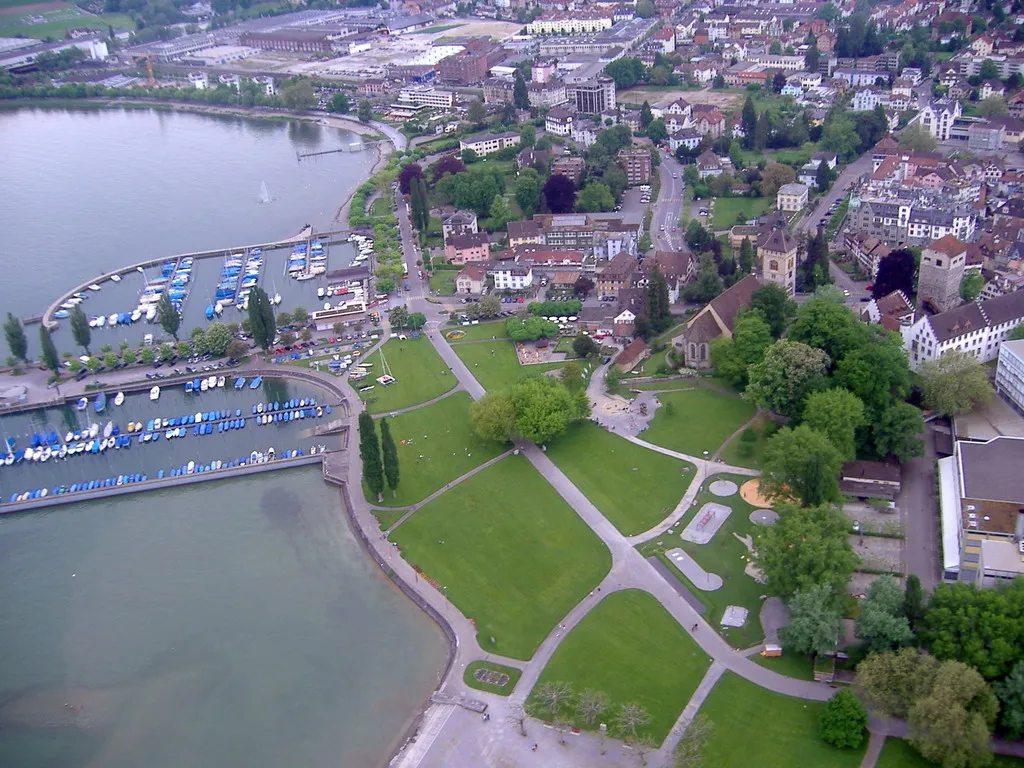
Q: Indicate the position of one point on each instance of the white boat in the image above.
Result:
(191, 467)
(199, 418)
(151, 313)
(305, 276)
(253, 457)
(29, 453)
(119, 399)
(154, 393)
(259, 407)
(108, 429)
(270, 453)
(136, 315)
(320, 293)
(101, 321)
(112, 320)
(94, 287)
(220, 382)
(204, 385)
(211, 382)
(116, 278)
(277, 298)
(218, 308)
(94, 429)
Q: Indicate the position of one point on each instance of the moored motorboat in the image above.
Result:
(204, 385)
(220, 381)
(119, 398)
(154, 393)
(94, 287)
(101, 402)
(211, 382)
(82, 403)
(116, 278)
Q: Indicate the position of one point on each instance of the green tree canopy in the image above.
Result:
(954, 384)
(891, 682)
(80, 330)
(1011, 694)
(789, 372)
(528, 191)
(882, 623)
(916, 138)
(971, 285)
(732, 357)
(595, 197)
(216, 339)
(544, 407)
(369, 452)
(297, 94)
(814, 621)
(802, 464)
(829, 327)
(807, 547)
(48, 350)
(896, 432)
(836, 414)
(843, 721)
(389, 456)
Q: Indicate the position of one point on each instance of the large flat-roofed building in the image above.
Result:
(487, 143)
(593, 96)
(425, 96)
(637, 164)
(981, 501)
(1010, 373)
(569, 23)
(291, 40)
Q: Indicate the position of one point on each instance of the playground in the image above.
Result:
(702, 528)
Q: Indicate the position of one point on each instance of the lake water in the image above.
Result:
(88, 190)
(233, 623)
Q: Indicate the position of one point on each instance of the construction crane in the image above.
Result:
(149, 66)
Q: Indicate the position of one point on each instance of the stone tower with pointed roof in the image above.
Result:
(777, 255)
(942, 268)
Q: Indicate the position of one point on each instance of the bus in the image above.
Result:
(405, 271)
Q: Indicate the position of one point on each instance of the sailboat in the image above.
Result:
(119, 399)
(209, 311)
(264, 193)
(101, 402)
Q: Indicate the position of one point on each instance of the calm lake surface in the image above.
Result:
(232, 623)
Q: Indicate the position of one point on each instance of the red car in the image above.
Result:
(520, 299)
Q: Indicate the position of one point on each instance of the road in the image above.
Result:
(916, 502)
(837, 191)
(665, 232)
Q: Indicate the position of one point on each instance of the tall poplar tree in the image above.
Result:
(49, 352)
(16, 341)
(369, 452)
(80, 330)
(520, 94)
(168, 316)
(389, 453)
(262, 323)
(749, 122)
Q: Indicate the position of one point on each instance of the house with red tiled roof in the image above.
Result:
(631, 356)
(890, 311)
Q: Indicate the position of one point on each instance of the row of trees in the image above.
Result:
(379, 456)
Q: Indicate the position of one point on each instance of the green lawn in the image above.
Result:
(442, 282)
(380, 207)
(898, 753)
(662, 385)
(495, 365)
(421, 375)
(436, 445)
(697, 420)
(753, 726)
(790, 664)
(512, 554)
(740, 454)
(630, 648)
(438, 28)
(502, 690)
(725, 555)
(14, 16)
(795, 156)
(635, 488)
(481, 332)
(726, 209)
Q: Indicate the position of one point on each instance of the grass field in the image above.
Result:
(631, 649)
(436, 445)
(725, 555)
(752, 726)
(510, 552)
(726, 209)
(17, 17)
(421, 375)
(496, 371)
(662, 385)
(789, 664)
(442, 282)
(502, 690)
(635, 488)
(484, 331)
(697, 420)
(736, 454)
(380, 207)
(898, 753)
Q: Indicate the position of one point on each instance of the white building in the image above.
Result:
(512, 278)
(977, 328)
(487, 143)
(864, 100)
(937, 118)
(791, 197)
(199, 80)
(1010, 373)
(425, 96)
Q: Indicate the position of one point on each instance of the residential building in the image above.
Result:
(938, 117)
(892, 311)
(489, 143)
(869, 251)
(573, 231)
(373, 86)
(584, 132)
(1010, 374)
(777, 257)
(593, 96)
(624, 327)
(512, 277)
(990, 88)
(677, 267)
(942, 268)
(715, 320)
(468, 248)
(978, 328)
(471, 280)
(533, 158)
(792, 197)
(632, 353)
(616, 275)
(458, 223)
(708, 164)
(981, 494)
(857, 77)
(550, 93)
(558, 121)
(637, 164)
(569, 23)
(570, 166)
(914, 216)
(525, 233)
(426, 96)
(498, 90)
(864, 100)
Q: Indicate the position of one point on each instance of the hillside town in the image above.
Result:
(734, 286)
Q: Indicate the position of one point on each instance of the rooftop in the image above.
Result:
(991, 471)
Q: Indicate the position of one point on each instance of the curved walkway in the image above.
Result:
(400, 411)
(717, 454)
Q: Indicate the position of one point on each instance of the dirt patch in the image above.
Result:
(31, 8)
(750, 492)
(496, 29)
(859, 583)
(877, 553)
(659, 99)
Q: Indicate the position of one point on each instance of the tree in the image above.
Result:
(993, 106)
(708, 283)
(552, 695)
(840, 135)
(300, 316)
(499, 211)
(746, 267)
(398, 316)
(823, 176)
(339, 103)
(891, 682)
(406, 175)
(517, 717)
(813, 627)
(15, 335)
(544, 408)
(644, 9)
(837, 414)
(237, 349)
(989, 70)
(1011, 694)
(916, 138)
(656, 131)
(803, 464)
(559, 193)
(829, 327)
(807, 547)
(843, 721)
(583, 286)
(417, 319)
(590, 705)
(952, 724)
(774, 176)
(389, 455)
(450, 164)
(262, 323)
(719, 81)
(913, 601)
(896, 272)
(147, 356)
(971, 285)
(954, 384)
(882, 623)
(584, 346)
(629, 719)
(128, 356)
(168, 317)
(732, 357)
(490, 306)
(772, 301)
(646, 115)
(494, 417)
(689, 751)
(595, 197)
(749, 122)
(528, 191)
(298, 95)
(812, 59)
(216, 339)
(80, 330)
(896, 432)
(779, 81)
(369, 452)
(626, 71)
(789, 372)
(365, 111)
(527, 135)
(520, 93)
(48, 351)
(476, 112)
